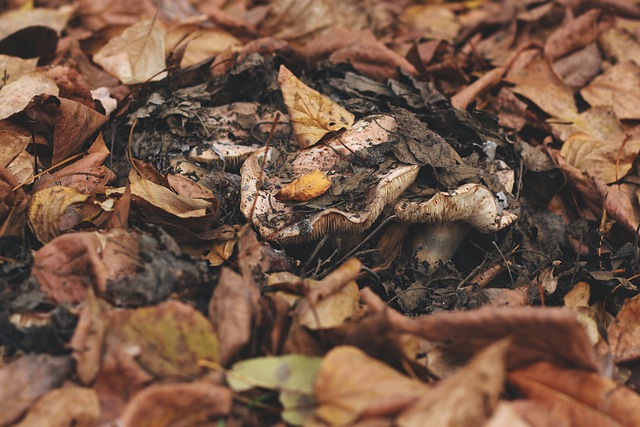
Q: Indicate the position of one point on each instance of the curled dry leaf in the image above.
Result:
(13, 141)
(351, 385)
(75, 124)
(69, 406)
(465, 399)
(579, 397)
(49, 207)
(618, 86)
(136, 55)
(307, 187)
(312, 114)
(184, 404)
(24, 381)
(13, 204)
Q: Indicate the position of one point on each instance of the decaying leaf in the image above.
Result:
(351, 385)
(16, 96)
(136, 55)
(292, 375)
(69, 406)
(624, 332)
(307, 187)
(465, 399)
(180, 404)
(312, 114)
(579, 397)
(48, 209)
(26, 380)
(167, 340)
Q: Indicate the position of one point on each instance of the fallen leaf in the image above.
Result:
(619, 87)
(87, 342)
(48, 209)
(75, 124)
(168, 339)
(233, 310)
(312, 114)
(69, 406)
(70, 264)
(13, 204)
(182, 404)
(579, 397)
(16, 96)
(26, 380)
(202, 43)
(573, 34)
(351, 385)
(432, 21)
(14, 67)
(136, 55)
(292, 375)
(467, 398)
(307, 187)
(13, 141)
(624, 332)
(15, 20)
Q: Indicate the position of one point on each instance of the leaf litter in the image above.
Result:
(199, 213)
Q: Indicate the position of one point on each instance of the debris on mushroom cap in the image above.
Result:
(287, 222)
(473, 204)
(227, 154)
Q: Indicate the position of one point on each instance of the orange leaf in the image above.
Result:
(307, 187)
(313, 115)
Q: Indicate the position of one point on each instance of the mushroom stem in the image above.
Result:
(438, 242)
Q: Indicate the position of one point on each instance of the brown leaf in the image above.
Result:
(538, 333)
(467, 398)
(13, 141)
(69, 406)
(351, 385)
(233, 310)
(312, 114)
(75, 124)
(16, 96)
(13, 204)
(27, 379)
(87, 342)
(582, 398)
(618, 86)
(70, 264)
(574, 33)
(307, 187)
(48, 209)
(136, 55)
(184, 404)
(624, 332)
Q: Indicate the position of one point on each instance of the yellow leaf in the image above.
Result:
(307, 187)
(47, 208)
(312, 114)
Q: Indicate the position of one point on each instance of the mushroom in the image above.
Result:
(443, 221)
(358, 206)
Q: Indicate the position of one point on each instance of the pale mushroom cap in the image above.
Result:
(473, 204)
(274, 219)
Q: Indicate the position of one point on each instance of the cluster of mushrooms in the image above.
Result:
(439, 222)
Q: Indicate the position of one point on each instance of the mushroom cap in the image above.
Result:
(228, 154)
(280, 221)
(473, 204)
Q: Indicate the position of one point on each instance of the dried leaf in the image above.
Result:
(169, 339)
(75, 124)
(579, 397)
(182, 404)
(16, 96)
(307, 187)
(14, 68)
(136, 55)
(624, 332)
(168, 201)
(351, 385)
(48, 207)
(69, 406)
(292, 375)
(467, 398)
(312, 114)
(27, 379)
(619, 87)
